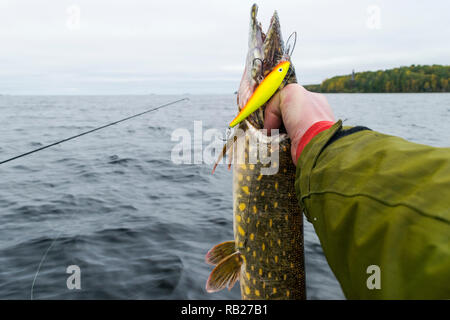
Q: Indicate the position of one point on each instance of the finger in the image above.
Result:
(272, 114)
(292, 99)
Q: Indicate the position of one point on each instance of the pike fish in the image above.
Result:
(266, 255)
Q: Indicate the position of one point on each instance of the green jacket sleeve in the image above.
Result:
(378, 201)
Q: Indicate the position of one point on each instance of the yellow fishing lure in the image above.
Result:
(263, 92)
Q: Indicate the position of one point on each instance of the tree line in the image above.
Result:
(415, 78)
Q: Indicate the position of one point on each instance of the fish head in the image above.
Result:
(265, 52)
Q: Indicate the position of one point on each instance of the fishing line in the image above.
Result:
(71, 138)
(92, 130)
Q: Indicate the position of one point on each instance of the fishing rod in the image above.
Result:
(92, 130)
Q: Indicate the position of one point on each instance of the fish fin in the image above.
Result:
(220, 252)
(225, 273)
(221, 155)
(233, 280)
(227, 146)
(230, 157)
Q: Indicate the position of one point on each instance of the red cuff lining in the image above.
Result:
(311, 133)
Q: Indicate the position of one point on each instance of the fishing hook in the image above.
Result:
(228, 134)
(288, 44)
(261, 75)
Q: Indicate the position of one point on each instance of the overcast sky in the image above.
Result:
(167, 46)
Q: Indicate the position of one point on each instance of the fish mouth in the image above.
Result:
(265, 51)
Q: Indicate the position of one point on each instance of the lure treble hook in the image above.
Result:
(228, 134)
(261, 75)
(289, 44)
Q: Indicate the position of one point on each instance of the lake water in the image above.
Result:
(114, 204)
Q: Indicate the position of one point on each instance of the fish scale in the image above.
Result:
(266, 255)
(268, 227)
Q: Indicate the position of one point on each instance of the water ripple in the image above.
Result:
(136, 224)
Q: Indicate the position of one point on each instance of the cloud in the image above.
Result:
(125, 46)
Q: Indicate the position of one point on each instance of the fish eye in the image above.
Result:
(281, 69)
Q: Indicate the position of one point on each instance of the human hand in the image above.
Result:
(299, 109)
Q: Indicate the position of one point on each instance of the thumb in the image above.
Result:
(272, 114)
(286, 107)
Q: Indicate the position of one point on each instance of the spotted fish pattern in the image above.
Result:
(266, 255)
(267, 251)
